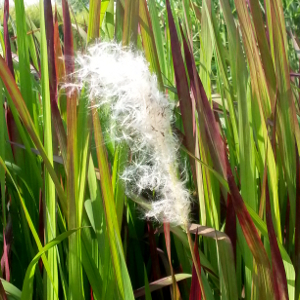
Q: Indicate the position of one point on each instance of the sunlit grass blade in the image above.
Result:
(155, 285)
(262, 104)
(279, 275)
(218, 153)
(123, 283)
(75, 269)
(130, 28)
(148, 41)
(49, 191)
(94, 20)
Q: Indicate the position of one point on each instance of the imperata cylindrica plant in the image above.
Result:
(141, 115)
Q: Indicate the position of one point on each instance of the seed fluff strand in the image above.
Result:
(141, 116)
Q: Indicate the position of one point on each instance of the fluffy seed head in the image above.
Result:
(142, 116)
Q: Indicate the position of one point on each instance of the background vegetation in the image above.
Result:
(70, 232)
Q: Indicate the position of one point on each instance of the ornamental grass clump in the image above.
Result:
(141, 115)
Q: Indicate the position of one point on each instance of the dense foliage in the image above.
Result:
(230, 68)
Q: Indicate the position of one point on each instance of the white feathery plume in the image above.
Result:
(142, 116)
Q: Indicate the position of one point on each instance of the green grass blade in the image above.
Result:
(19, 103)
(49, 194)
(27, 290)
(11, 291)
(120, 269)
(94, 20)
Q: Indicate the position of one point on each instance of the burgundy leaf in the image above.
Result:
(279, 276)
(153, 253)
(195, 292)
(186, 107)
(230, 228)
(56, 117)
(218, 153)
(8, 55)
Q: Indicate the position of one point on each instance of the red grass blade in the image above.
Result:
(50, 47)
(195, 292)
(10, 123)
(185, 101)
(279, 276)
(153, 253)
(8, 55)
(217, 151)
(230, 228)
(59, 63)
(7, 240)
(56, 117)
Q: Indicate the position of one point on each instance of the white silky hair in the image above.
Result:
(142, 117)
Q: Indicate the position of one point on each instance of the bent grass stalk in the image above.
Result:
(190, 241)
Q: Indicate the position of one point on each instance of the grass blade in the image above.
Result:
(48, 90)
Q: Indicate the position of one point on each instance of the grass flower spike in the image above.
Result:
(141, 116)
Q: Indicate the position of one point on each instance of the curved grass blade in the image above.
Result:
(158, 284)
(28, 123)
(31, 225)
(11, 291)
(27, 290)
